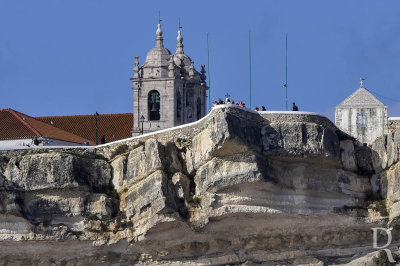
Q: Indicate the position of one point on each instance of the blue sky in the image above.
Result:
(76, 57)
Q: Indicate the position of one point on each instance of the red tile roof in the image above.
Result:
(16, 125)
(112, 126)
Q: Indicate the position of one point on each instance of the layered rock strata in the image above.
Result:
(236, 187)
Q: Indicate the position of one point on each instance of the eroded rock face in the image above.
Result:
(56, 171)
(300, 140)
(238, 187)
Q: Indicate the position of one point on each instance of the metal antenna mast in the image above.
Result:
(159, 17)
(286, 82)
(209, 75)
(250, 67)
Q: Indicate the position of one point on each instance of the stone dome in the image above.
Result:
(158, 56)
(186, 60)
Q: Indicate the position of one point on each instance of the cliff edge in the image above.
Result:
(236, 187)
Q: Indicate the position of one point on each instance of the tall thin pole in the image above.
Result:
(96, 116)
(286, 82)
(250, 68)
(209, 74)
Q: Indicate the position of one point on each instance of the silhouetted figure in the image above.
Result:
(257, 109)
(103, 140)
(35, 141)
(295, 108)
(263, 108)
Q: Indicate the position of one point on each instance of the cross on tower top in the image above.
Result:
(362, 82)
(159, 17)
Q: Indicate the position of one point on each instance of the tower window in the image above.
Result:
(362, 120)
(153, 103)
(198, 109)
(178, 106)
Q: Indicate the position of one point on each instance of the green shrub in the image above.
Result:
(119, 150)
(183, 212)
(383, 260)
(104, 227)
(121, 223)
(100, 156)
(182, 141)
(194, 201)
(140, 143)
(379, 206)
(93, 217)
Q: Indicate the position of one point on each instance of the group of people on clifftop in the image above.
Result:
(228, 101)
(242, 104)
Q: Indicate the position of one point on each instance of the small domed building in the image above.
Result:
(167, 90)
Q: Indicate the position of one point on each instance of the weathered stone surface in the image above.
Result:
(225, 135)
(182, 185)
(151, 202)
(222, 172)
(300, 140)
(364, 159)
(237, 188)
(154, 191)
(119, 173)
(390, 190)
(347, 155)
(386, 151)
(151, 157)
(56, 171)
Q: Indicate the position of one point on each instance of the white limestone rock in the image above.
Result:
(56, 171)
(119, 166)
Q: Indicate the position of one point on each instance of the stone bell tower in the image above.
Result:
(167, 89)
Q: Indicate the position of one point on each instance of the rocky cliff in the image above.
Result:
(237, 187)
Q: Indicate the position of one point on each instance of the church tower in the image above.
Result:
(167, 90)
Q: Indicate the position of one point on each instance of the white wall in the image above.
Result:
(364, 123)
(29, 142)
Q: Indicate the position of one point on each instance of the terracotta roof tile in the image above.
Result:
(16, 125)
(112, 126)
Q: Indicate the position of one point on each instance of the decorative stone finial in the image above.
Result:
(171, 67)
(203, 74)
(362, 82)
(136, 68)
(159, 39)
(179, 45)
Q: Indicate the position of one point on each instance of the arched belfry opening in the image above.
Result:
(153, 105)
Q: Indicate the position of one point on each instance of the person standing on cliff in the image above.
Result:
(295, 108)
(36, 141)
